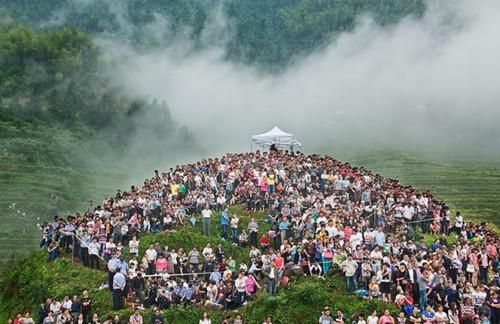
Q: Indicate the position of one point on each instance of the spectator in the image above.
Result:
(325, 317)
(206, 214)
(204, 319)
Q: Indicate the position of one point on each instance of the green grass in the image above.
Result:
(472, 189)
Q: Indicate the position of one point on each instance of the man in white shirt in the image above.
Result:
(151, 255)
(206, 213)
(356, 239)
(349, 267)
(459, 223)
(94, 253)
(408, 212)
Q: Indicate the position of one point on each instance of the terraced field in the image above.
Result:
(474, 190)
(30, 194)
(42, 192)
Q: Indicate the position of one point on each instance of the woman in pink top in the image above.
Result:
(250, 284)
(161, 264)
(474, 261)
(347, 233)
(386, 318)
(263, 184)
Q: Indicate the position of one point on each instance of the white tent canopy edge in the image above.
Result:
(276, 137)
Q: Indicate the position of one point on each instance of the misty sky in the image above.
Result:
(422, 85)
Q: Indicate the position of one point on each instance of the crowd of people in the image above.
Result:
(322, 216)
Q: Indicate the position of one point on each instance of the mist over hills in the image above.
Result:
(261, 32)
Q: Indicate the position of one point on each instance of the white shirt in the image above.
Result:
(206, 213)
(151, 254)
(356, 239)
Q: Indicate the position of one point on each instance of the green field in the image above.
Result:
(473, 189)
(42, 191)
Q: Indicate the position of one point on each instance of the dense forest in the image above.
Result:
(261, 31)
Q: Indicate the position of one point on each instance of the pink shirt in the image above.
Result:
(161, 264)
(250, 285)
(492, 250)
(384, 319)
(473, 258)
(347, 233)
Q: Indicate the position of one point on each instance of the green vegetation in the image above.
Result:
(29, 282)
(66, 136)
(264, 32)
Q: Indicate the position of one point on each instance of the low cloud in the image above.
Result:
(423, 85)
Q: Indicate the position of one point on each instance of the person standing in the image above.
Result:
(253, 229)
(119, 283)
(94, 254)
(234, 229)
(270, 277)
(206, 213)
(86, 306)
(224, 222)
(52, 249)
(349, 267)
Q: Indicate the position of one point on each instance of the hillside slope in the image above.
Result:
(474, 189)
(66, 135)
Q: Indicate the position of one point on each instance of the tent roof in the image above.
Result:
(277, 137)
(273, 133)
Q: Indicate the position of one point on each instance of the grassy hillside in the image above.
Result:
(470, 189)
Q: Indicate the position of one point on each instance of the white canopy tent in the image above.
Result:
(276, 137)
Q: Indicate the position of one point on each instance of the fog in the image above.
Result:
(428, 85)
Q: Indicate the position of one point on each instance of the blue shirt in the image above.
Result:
(123, 267)
(283, 225)
(187, 293)
(113, 264)
(119, 281)
(216, 276)
(224, 218)
(379, 238)
(86, 241)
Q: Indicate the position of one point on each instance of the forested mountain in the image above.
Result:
(261, 31)
(53, 78)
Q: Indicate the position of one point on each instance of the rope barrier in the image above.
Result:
(83, 244)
